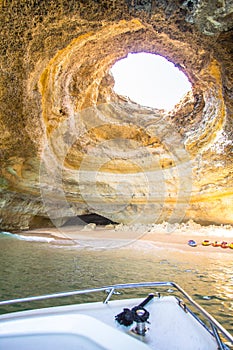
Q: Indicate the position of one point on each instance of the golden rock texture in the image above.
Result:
(70, 146)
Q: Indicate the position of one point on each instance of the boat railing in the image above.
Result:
(215, 327)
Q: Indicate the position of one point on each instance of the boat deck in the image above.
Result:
(171, 327)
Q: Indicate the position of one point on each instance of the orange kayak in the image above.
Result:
(224, 245)
(216, 244)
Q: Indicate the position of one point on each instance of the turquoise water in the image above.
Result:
(30, 267)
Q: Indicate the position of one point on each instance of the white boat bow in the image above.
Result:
(157, 322)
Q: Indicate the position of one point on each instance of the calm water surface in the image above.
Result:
(32, 268)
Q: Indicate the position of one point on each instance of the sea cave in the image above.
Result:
(72, 147)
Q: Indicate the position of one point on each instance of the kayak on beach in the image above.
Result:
(206, 242)
(192, 243)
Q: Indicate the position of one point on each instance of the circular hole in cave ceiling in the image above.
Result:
(150, 80)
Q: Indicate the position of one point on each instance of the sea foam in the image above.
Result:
(27, 238)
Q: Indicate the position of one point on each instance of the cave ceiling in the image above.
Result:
(70, 146)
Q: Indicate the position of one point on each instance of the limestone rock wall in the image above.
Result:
(70, 146)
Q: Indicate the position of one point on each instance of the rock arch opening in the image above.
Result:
(150, 80)
(89, 219)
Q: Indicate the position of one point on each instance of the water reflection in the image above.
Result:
(29, 268)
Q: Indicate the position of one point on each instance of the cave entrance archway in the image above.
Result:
(150, 80)
(88, 219)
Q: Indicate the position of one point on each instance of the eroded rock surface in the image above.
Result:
(70, 146)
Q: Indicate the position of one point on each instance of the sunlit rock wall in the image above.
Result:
(70, 146)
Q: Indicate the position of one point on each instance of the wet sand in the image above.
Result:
(176, 239)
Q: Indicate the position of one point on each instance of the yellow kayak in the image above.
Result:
(206, 242)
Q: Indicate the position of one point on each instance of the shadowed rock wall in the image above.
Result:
(70, 146)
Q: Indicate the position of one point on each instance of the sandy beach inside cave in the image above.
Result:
(176, 238)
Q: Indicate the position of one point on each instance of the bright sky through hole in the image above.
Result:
(150, 80)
